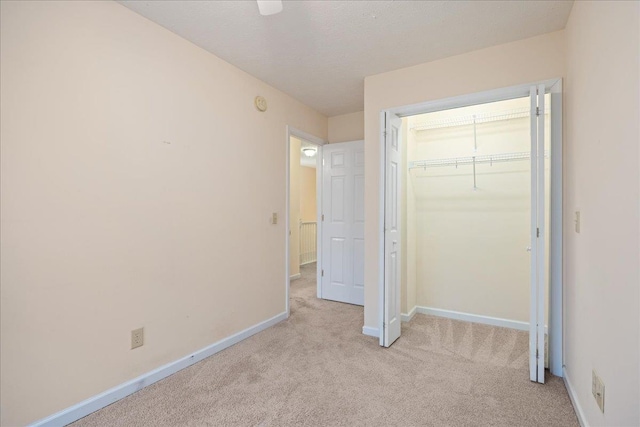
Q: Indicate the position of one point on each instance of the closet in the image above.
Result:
(467, 213)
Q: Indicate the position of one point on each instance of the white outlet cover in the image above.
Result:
(137, 338)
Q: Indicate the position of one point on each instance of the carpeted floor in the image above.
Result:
(317, 369)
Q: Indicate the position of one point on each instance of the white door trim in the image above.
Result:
(291, 131)
(381, 212)
(553, 86)
(538, 259)
(493, 95)
(556, 295)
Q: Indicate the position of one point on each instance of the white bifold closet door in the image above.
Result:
(391, 325)
(538, 257)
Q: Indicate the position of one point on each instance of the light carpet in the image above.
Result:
(317, 369)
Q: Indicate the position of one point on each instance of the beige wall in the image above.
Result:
(601, 169)
(134, 170)
(294, 206)
(346, 127)
(510, 64)
(308, 202)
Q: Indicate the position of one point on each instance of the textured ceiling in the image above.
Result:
(320, 51)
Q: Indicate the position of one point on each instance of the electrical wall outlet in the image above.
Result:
(274, 218)
(597, 389)
(137, 338)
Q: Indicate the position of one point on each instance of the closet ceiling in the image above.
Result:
(320, 51)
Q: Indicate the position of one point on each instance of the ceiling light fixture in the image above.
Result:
(269, 7)
(309, 151)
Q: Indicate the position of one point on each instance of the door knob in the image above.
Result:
(528, 248)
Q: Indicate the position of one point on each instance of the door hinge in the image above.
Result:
(537, 232)
(384, 325)
(537, 111)
(321, 273)
(537, 354)
(322, 217)
(385, 133)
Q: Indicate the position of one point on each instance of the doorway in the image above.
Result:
(325, 239)
(303, 209)
(459, 228)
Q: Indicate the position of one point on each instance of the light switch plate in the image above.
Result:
(274, 218)
(597, 389)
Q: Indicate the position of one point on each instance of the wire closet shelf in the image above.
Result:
(472, 119)
(470, 160)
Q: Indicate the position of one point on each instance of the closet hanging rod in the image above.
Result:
(471, 119)
(462, 161)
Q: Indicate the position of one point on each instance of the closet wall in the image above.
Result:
(469, 243)
(407, 228)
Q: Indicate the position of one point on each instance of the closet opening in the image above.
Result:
(472, 222)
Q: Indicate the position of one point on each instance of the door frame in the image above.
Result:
(319, 142)
(556, 303)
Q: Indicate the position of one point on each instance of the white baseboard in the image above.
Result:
(475, 318)
(407, 317)
(372, 332)
(86, 407)
(294, 277)
(574, 399)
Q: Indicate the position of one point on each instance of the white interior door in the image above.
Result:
(538, 295)
(342, 269)
(391, 322)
